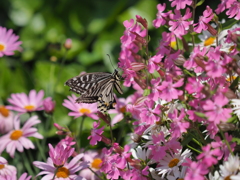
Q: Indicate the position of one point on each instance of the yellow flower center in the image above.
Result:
(4, 111)
(180, 179)
(173, 44)
(84, 111)
(231, 48)
(96, 163)
(123, 109)
(227, 178)
(173, 162)
(62, 172)
(2, 166)
(29, 107)
(2, 47)
(209, 41)
(16, 134)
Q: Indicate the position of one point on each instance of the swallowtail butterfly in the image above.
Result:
(96, 87)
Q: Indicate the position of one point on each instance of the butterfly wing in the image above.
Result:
(96, 87)
(83, 83)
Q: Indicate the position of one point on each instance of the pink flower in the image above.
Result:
(196, 170)
(179, 125)
(203, 20)
(168, 91)
(6, 120)
(95, 160)
(80, 109)
(214, 109)
(7, 169)
(24, 176)
(66, 171)
(180, 4)
(120, 109)
(18, 138)
(234, 10)
(151, 113)
(48, 105)
(8, 42)
(225, 4)
(160, 16)
(179, 24)
(60, 153)
(96, 133)
(23, 103)
(209, 155)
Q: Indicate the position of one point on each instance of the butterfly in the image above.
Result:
(96, 87)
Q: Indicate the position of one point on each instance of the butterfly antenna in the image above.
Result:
(111, 60)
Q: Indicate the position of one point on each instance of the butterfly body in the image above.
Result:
(96, 87)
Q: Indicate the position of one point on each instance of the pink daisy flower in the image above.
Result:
(65, 172)
(6, 169)
(8, 42)
(18, 138)
(6, 120)
(80, 109)
(24, 176)
(22, 103)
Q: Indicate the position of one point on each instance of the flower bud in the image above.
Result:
(68, 44)
(48, 105)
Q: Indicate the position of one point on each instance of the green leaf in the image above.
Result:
(200, 3)
(229, 23)
(202, 115)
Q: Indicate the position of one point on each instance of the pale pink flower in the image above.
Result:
(8, 42)
(24, 176)
(6, 120)
(65, 172)
(80, 109)
(7, 169)
(18, 138)
(22, 103)
(95, 160)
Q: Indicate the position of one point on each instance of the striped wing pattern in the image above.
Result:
(96, 87)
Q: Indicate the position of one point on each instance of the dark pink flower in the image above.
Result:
(168, 91)
(60, 153)
(214, 109)
(203, 20)
(234, 10)
(179, 125)
(48, 105)
(150, 114)
(225, 4)
(195, 170)
(96, 133)
(180, 4)
(160, 20)
(208, 156)
(8, 42)
(179, 24)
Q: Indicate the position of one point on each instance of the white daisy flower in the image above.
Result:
(171, 162)
(236, 108)
(141, 153)
(230, 167)
(176, 174)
